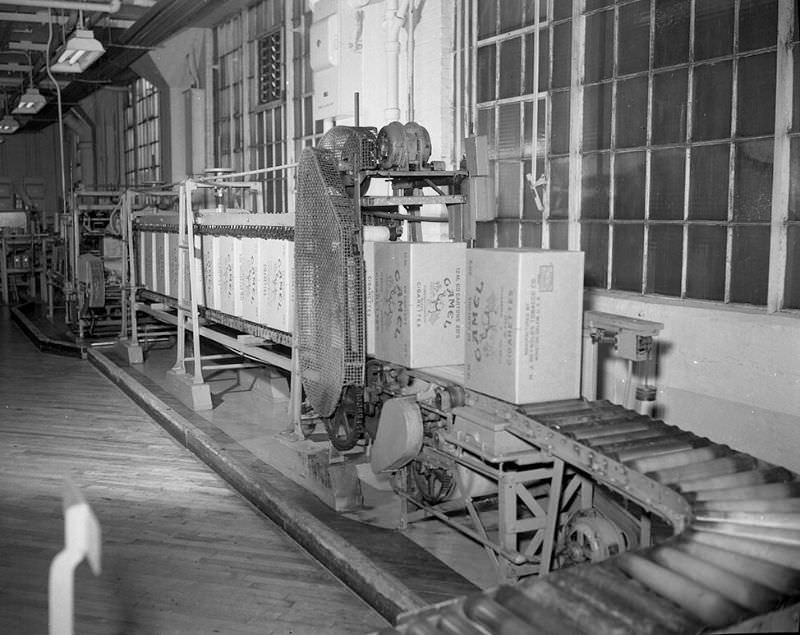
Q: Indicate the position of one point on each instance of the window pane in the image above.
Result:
(529, 207)
(559, 135)
(508, 131)
(597, 117)
(634, 37)
(712, 101)
(626, 267)
(487, 18)
(713, 35)
(791, 299)
(708, 198)
(594, 243)
(486, 73)
(595, 190)
(664, 259)
(672, 33)
(705, 275)
(758, 24)
(669, 107)
(559, 235)
(486, 126)
(562, 54)
(666, 184)
(559, 188)
(631, 112)
(510, 67)
(544, 61)
(796, 85)
(530, 13)
(484, 234)
(562, 9)
(508, 191)
(531, 235)
(755, 112)
(507, 234)
(599, 46)
(629, 185)
(750, 264)
(752, 186)
(510, 16)
(794, 182)
(541, 129)
(591, 5)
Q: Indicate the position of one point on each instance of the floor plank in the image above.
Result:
(182, 553)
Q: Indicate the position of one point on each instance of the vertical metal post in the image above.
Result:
(180, 355)
(507, 520)
(194, 291)
(551, 522)
(133, 277)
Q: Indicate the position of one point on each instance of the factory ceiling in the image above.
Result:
(32, 32)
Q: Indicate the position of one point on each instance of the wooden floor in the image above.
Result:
(182, 553)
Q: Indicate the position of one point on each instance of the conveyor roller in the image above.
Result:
(736, 554)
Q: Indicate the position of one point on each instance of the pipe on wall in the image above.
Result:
(106, 7)
(393, 22)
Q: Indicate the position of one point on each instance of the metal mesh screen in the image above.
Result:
(353, 148)
(329, 280)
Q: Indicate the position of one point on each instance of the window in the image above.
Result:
(229, 95)
(677, 150)
(512, 109)
(142, 135)
(671, 153)
(256, 91)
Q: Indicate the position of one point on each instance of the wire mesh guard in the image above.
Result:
(329, 278)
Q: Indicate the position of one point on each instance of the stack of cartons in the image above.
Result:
(419, 303)
(523, 322)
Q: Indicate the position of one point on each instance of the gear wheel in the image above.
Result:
(434, 484)
(346, 425)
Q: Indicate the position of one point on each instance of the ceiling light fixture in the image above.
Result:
(79, 52)
(8, 125)
(30, 102)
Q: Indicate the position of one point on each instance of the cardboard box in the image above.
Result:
(419, 303)
(160, 272)
(228, 273)
(210, 283)
(369, 294)
(524, 319)
(276, 295)
(249, 278)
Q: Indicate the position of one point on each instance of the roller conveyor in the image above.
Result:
(734, 561)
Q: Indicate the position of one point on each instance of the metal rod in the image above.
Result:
(514, 556)
(410, 219)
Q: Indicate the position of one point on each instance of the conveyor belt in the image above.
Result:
(736, 554)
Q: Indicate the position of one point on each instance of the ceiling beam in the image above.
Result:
(13, 67)
(22, 45)
(38, 18)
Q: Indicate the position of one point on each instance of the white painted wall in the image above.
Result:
(730, 374)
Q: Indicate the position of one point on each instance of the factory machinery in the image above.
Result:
(608, 520)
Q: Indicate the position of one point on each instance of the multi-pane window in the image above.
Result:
(229, 95)
(512, 110)
(678, 143)
(664, 172)
(142, 146)
(267, 108)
